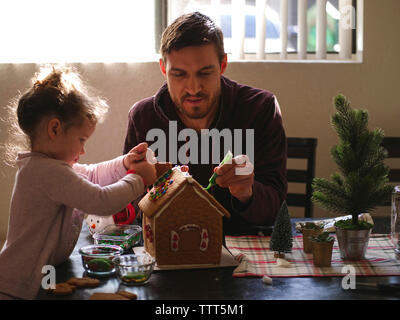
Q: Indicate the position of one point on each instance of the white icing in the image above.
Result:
(203, 248)
(204, 197)
(283, 263)
(170, 200)
(187, 227)
(189, 179)
(267, 280)
(242, 267)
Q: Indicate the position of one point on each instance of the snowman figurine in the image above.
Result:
(98, 223)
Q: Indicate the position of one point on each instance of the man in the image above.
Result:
(196, 95)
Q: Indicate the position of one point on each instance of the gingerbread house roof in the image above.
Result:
(168, 187)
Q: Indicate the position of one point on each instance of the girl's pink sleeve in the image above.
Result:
(102, 173)
(71, 189)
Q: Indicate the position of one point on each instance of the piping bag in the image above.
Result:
(211, 182)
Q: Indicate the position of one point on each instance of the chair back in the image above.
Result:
(392, 145)
(302, 148)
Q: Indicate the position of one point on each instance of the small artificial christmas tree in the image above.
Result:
(281, 238)
(361, 184)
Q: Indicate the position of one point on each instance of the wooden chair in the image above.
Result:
(302, 148)
(392, 145)
(298, 148)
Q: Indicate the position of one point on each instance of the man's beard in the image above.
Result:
(196, 115)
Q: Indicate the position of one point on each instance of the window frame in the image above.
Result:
(331, 56)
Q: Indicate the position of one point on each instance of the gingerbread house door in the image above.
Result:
(189, 238)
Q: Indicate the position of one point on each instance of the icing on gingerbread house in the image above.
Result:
(182, 223)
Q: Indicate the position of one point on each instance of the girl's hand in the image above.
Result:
(145, 168)
(136, 154)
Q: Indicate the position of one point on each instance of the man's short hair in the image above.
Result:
(192, 29)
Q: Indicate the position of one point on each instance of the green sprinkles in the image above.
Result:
(123, 244)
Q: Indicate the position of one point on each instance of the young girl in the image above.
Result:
(51, 189)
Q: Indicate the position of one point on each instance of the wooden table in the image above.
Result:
(219, 284)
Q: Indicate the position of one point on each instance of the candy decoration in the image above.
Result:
(126, 216)
(161, 186)
(204, 240)
(174, 241)
(149, 232)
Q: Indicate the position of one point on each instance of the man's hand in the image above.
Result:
(238, 176)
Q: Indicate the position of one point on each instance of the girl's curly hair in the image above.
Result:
(56, 91)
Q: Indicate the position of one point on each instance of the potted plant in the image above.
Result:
(322, 249)
(309, 229)
(362, 183)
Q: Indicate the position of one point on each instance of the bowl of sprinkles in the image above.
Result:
(97, 259)
(134, 269)
(123, 235)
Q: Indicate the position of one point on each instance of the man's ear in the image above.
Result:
(162, 67)
(54, 128)
(224, 63)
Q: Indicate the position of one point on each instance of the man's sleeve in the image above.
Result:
(130, 138)
(270, 182)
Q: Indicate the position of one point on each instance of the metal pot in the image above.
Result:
(352, 243)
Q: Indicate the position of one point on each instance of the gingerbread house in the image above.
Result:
(182, 223)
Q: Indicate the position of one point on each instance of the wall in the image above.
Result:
(304, 90)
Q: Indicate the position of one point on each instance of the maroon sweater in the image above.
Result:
(241, 107)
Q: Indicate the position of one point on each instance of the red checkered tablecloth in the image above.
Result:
(256, 259)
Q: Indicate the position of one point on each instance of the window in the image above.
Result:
(76, 31)
(261, 35)
(42, 31)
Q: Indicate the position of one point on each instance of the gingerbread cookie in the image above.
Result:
(106, 296)
(84, 282)
(63, 289)
(126, 294)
